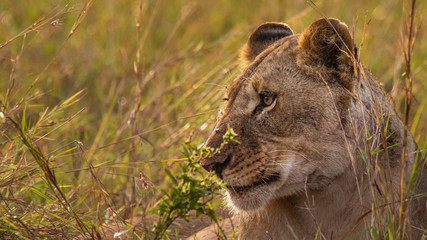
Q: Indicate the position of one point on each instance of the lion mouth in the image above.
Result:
(265, 181)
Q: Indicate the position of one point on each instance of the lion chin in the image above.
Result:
(253, 196)
(257, 194)
(319, 149)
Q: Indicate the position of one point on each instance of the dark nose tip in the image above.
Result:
(216, 165)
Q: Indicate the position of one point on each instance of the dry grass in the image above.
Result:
(98, 96)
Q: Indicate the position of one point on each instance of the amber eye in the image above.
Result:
(267, 100)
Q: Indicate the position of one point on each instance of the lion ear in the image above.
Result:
(328, 42)
(262, 38)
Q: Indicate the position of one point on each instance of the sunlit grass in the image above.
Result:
(95, 95)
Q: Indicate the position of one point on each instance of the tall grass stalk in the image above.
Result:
(407, 47)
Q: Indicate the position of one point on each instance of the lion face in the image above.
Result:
(288, 110)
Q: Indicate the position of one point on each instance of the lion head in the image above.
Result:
(288, 109)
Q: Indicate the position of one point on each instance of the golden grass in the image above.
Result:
(98, 96)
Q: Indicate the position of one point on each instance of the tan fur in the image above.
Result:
(304, 166)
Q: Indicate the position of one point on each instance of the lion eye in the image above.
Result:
(267, 100)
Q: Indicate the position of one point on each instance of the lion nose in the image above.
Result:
(216, 163)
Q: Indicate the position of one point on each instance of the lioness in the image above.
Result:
(320, 152)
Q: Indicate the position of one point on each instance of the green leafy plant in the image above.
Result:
(193, 189)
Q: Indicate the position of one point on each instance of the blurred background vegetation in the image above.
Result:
(105, 92)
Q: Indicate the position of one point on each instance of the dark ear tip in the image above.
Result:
(270, 30)
(263, 37)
